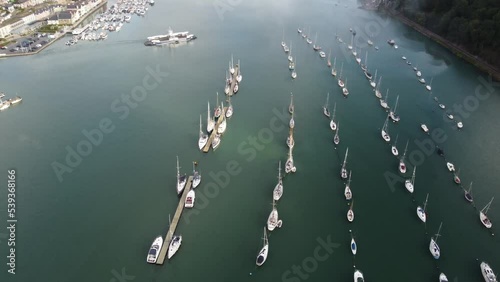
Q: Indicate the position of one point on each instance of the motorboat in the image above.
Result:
(181, 179)
(443, 278)
(262, 255)
(174, 246)
(450, 167)
(488, 274)
(460, 125)
(322, 54)
(391, 42)
(422, 80)
(424, 128)
(189, 203)
(404, 58)
(450, 116)
(154, 250)
(15, 100)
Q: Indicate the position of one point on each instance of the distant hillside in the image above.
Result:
(471, 24)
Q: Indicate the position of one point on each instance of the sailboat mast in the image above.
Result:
(425, 203)
(406, 148)
(178, 173)
(439, 230)
(345, 157)
(395, 107)
(279, 171)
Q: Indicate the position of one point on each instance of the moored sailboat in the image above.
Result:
(468, 194)
(326, 111)
(291, 106)
(343, 170)
(278, 189)
(334, 70)
(181, 179)
(333, 124)
(196, 176)
(289, 165)
(421, 211)
(262, 255)
(394, 149)
(272, 220)
(347, 190)
(354, 246)
(392, 113)
(202, 139)
(345, 91)
(484, 217)
(410, 183)
(350, 213)
(385, 131)
(218, 110)
(433, 246)
(336, 138)
(402, 165)
(340, 81)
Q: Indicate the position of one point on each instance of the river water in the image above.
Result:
(96, 221)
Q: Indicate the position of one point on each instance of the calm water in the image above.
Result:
(100, 220)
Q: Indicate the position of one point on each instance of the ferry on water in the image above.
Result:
(170, 38)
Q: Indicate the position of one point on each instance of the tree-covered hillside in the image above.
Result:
(471, 24)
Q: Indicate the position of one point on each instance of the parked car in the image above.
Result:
(38, 45)
(4, 47)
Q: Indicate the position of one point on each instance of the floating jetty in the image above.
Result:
(214, 132)
(234, 81)
(175, 220)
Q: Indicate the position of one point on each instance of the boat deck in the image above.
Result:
(233, 83)
(175, 220)
(214, 132)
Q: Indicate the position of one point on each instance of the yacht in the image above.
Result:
(343, 170)
(229, 110)
(272, 220)
(174, 246)
(196, 176)
(468, 194)
(424, 128)
(278, 189)
(170, 38)
(326, 111)
(392, 113)
(394, 149)
(333, 124)
(433, 246)
(189, 203)
(4, 105)
(385, 131)
(202, 139)
(358, 276)
(350, 213)
(216, 141)
(404, 58)
(409, 183)
(322, 54)
(210, 121)
(443, 278)
(488, 274)
(336, 138)
(289, 165)
(483, 215)
(421, 211)
(354, 246)
(154, 251)
(15, 100)
(347, 190)
(402, 165)
(391, 42)
(181, 179)
(262, 256)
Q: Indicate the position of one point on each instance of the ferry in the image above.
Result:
(170, 38)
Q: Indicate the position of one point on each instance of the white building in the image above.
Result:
(5, 31)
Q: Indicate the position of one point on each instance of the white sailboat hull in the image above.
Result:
(488, 274)
(485, 220)
(272, 220)
(421, 214)
(333, 125)
(350, 215)
(202, 141)
(174, 246)
(394, 151)
(262, 256)
(434, 249)
(409, 186)
(278, 191)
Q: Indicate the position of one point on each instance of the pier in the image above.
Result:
(234, 81)
(214, 132)
(175, 220)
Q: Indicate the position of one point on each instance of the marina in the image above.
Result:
(175, 221)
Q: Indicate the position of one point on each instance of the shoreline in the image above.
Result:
(455, 49)
(59, 35)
